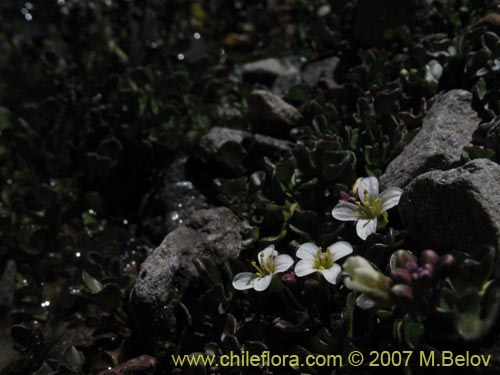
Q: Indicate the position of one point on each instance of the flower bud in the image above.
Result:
(312, 285)
(424, 273)
(364, 278)
(289, 278)
(403, 259)
(402, 291)
(429, 257)
(402, 275)
(446, 261)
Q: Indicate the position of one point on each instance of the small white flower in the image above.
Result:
(364, 278)
(314, 259)
(270, 263)
(433, 71)
(371, 206)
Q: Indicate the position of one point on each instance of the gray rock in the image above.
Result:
(311, 73)
(172, 200)
(211, 146)
(169, 270)
(226, 153)
(375, 17)
(457, 209)
(180, 196)
(447, 128)
(283, 84)
(8, 285)
(314, 71)
(269, 145)
(221, 149)
(260, 145)
(267, 70)
(271, 115)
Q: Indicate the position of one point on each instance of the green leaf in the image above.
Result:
(4, 119)
(413, 331)
(480, 88)
(208, 271)
(93, 284)
(467, 315)
(74, 358)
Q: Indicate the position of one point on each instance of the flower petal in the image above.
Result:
(340, 249)
(352, 264)
(307, 251)
(266, 255)
(345, 211)
(330, 274)
(366, 227)
(282, 263)
(356, 286)
(244, 280)
(262, 283)
(390, 197)
(304, 268)
(368, 188)
(364, 302)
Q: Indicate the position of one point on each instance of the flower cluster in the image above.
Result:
(409, 276)
(312, 259)
(370, 213)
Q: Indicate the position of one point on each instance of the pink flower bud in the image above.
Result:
(289, 278)
(402, 275)
(446, 261)
(429, 257)
(402, 291)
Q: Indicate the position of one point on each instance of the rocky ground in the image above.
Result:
(142, 176)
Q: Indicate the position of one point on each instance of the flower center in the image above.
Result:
(267, 266)
(323, 260)
(372, 209)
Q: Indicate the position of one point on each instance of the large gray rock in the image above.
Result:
(271, 115)
(375, 17)
(169, 270)
(457, 209)
(447, 128)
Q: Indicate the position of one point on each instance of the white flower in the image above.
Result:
(433, 71)
(314, 259)
(270, 263)
(364, 278)
(371, 206)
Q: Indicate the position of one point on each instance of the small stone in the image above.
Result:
(169, 270)
(458, 209)
(311, 74)
(314, 71)
(271, 115)
(267, 70)
(447, 128)
(211, 147)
